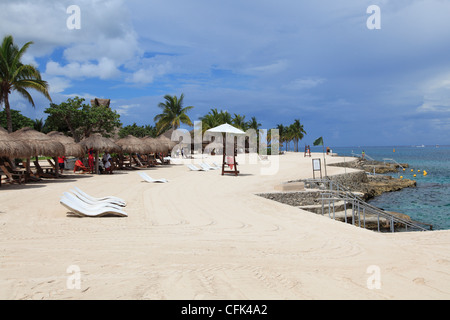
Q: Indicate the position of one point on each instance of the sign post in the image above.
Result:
(316, 167)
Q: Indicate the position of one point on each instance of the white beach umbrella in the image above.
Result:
(227, 129)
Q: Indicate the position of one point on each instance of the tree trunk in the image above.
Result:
(8, 113)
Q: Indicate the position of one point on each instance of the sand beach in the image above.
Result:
(205, 236)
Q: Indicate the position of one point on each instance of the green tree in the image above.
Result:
(39, 125)
(138, 131)
(239, 122)
(215, 118)
(296, 132)
(18, 120)
(282, 130)
(81, 120)
(253, 124)
(173, 114)
(16, 76)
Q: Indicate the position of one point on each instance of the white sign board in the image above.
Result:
(316, 164)
(316, 167)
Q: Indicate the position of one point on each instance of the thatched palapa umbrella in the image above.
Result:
(166, 142)
(71, 147)
(12, 148)
(130, 144)
(99, 144)
(153, 144)
(40, 144)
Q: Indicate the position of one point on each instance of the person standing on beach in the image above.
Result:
(363, 154)
(61, 161)
(91, 160)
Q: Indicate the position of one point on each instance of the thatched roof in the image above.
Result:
(11, 148)
(100, 102)
(131, 144)
(99, 143)
(154, 144)
(40, 143)
(71, 147)
(169, 144)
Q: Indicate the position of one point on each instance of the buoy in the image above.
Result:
(414, 175)
(412, 170)
(404, 169)
(418, 170)
(394, 149)
(401, 177)
(425, 173)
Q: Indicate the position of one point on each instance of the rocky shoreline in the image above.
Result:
(367, 186)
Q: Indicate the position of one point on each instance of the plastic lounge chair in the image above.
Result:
(147, 178)
(194, 168)
(80, 203)
(93, 211)
(112, 199)
(217, 165)
(91, 202)
(207, 166)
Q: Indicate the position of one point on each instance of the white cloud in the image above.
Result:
(105, 69)
(436, 94)
(123, 110)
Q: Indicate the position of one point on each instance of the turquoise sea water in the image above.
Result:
(429, 202)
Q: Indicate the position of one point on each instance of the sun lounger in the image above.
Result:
(215, 166)
(113, 199)
(208, 167)
(194, 168)
(89, 205)
(147, 178)
(93, 211)
(94, 202)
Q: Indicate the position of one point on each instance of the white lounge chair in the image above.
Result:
(88, 204)
(91, 202)
(112, 199)
(147, 178)
(208, 167)
(93, 211)
(194, 168)
(215, 166)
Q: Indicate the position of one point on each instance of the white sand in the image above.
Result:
(205, 236)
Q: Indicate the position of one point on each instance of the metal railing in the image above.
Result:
(361, 210)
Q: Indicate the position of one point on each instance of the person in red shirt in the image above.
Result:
(61, 161)
(91, 160)
(79, 166)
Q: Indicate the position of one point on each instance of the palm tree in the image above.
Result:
(239, 121)
(296, 132)
(38, 124)
(14, 75)
(173, 113)
(253, 124)
(214, 118)
(282, 131)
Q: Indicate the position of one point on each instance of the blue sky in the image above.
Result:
(276, 60)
